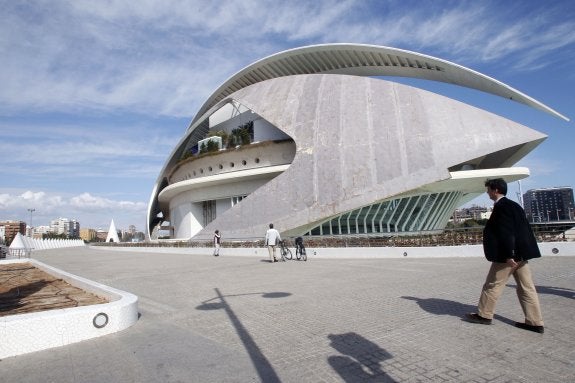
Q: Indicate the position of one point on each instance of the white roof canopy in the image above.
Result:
(365, 60)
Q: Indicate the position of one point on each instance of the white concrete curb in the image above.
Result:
(24, 333)
(561, 248)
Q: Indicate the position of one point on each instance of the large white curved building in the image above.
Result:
(311, 140)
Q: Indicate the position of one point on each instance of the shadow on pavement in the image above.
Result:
(260, 362)
(361, 358)
(438, 306)
(560, 291)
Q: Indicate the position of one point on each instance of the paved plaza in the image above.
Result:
(242, 319)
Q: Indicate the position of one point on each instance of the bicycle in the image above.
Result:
(285, 252)
(300, 249)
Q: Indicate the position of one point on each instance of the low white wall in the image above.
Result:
(24, 333)
(562, 248)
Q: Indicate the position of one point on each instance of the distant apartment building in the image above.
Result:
(38, 232)
(68, 227)
(101, 235)
(132, 235)
(11, 228)
(474, 212)
(549, 205)
(88, 235)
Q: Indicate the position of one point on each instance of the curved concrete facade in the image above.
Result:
(358, 141)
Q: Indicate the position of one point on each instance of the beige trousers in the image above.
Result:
(272, 251)
(496, 279)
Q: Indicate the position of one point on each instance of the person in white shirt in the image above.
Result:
(272, 239)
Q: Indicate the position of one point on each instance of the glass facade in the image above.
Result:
(424, 212)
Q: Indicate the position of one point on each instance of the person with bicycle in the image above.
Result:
(272, 240)
(300, 249)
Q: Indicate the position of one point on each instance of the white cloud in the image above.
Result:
(48, 201)
(32, 197)
(165, 57)
(85, 150)
(86, 201)
(307, 20)
(89, 210)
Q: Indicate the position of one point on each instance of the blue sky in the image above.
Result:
(95, 95)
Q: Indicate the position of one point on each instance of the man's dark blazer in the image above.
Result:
(507, 234)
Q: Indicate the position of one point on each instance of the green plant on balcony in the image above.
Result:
(210, 146)
(223, 134)
(242, 135)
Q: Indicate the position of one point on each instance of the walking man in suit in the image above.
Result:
(508, 243)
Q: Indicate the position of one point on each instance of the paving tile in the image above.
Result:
(238, 319)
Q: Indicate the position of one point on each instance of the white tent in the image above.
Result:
(19, 242)
(112, 233)
(19, 247)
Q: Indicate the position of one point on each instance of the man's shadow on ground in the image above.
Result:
(361, 359)
(438, 306)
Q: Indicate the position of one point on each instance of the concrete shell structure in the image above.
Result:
(334, 151)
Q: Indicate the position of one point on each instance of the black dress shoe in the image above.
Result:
(476, 318)
(525, 326)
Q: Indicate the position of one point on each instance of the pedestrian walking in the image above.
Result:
(509, 244)
(217, 238)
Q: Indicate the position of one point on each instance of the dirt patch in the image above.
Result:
(25, 289)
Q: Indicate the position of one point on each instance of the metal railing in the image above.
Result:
(18, 253)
